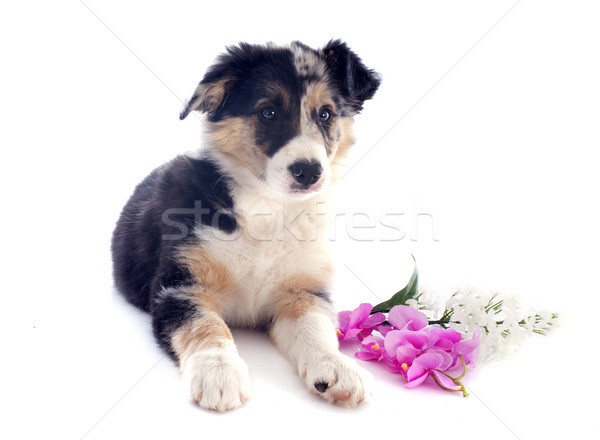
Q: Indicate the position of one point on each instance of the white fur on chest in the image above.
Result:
(278, 237)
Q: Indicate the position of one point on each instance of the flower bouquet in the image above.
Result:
(400, 334)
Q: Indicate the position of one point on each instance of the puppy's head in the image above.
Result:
(284, 112)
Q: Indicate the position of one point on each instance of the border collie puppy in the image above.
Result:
(235, 234)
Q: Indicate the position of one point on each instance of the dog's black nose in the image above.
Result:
(306, 172)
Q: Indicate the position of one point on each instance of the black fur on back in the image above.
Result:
(159, 218)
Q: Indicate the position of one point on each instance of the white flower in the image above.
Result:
(504, 323)
(429, 301)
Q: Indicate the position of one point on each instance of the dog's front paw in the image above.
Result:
(337, 379)
(217, 378)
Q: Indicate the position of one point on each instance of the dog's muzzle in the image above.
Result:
(305, 173)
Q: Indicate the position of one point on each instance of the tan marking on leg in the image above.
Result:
(210, 273)
(294, 298)
(213, 278)
(206, 331)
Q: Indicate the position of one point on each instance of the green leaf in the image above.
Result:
(409, 291)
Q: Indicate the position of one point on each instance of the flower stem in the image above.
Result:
(445, 319)
(456, 380)
(464, 368)
(443, 322)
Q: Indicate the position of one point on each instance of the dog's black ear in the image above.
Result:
(211, 94)
(357, 82)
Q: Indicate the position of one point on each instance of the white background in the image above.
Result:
(487, 119)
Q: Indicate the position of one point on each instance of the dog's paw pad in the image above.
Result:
(342, 395)
(338, 380)
(217, 379)
(321, 386)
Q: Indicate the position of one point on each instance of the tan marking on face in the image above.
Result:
(234, 138)
(340, 155)
(318, 95)
(207, 331)
(294, 299)
(347, 139)
(277, 96)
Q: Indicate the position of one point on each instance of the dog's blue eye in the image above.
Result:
(268, 113)
(324, 115)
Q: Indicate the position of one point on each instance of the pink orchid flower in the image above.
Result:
(358, 322)
(430, 351)
(404, 318)
(469, 349)
(373, 349)
(410, 346)
(432, 362)
(403, 347)
(407, 318)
